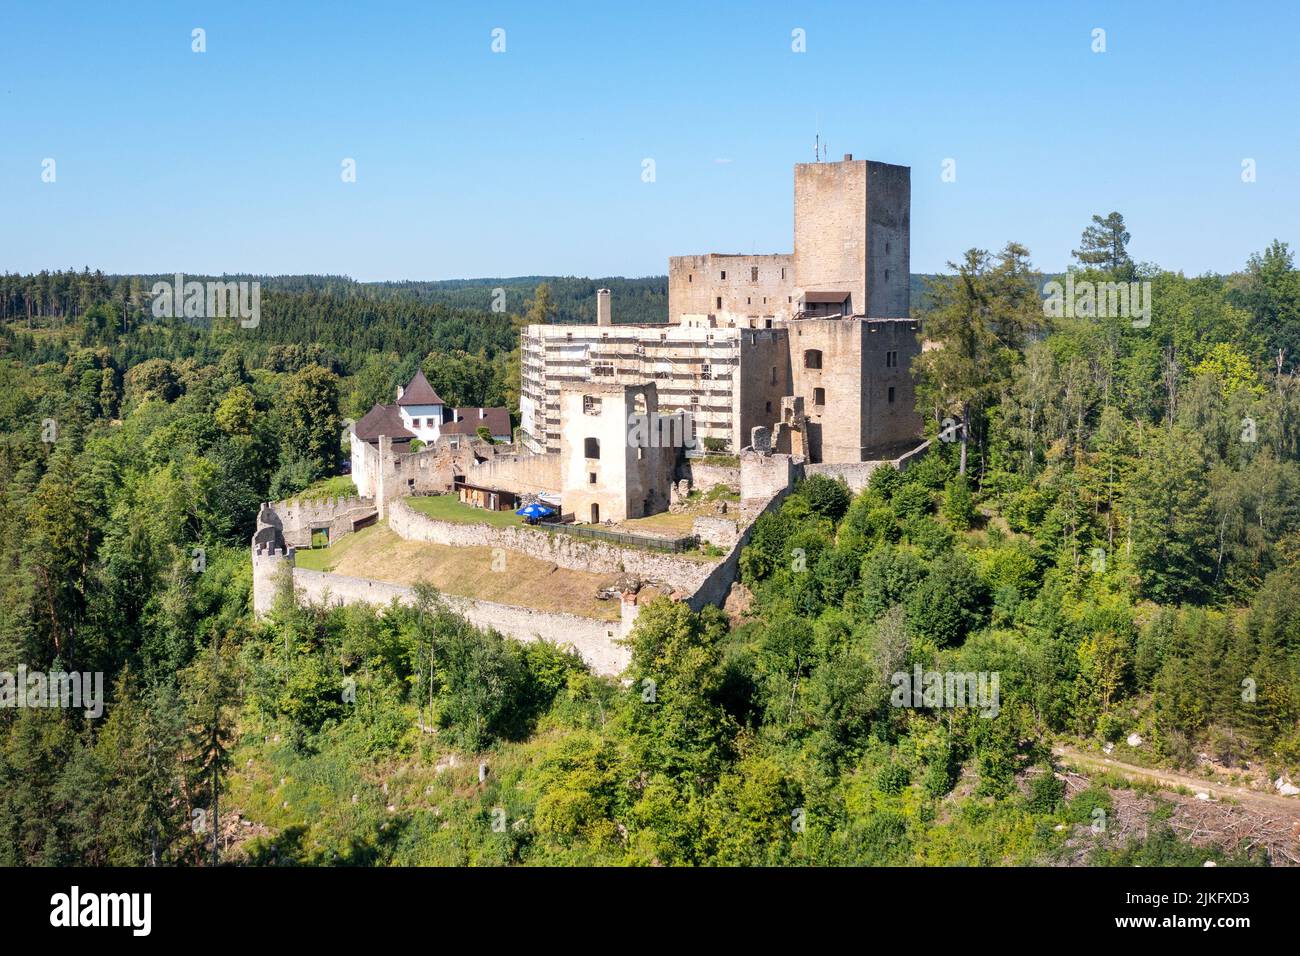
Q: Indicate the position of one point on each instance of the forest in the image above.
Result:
(1109, 521)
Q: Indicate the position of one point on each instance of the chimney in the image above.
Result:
(848, 157)
(400, 390)
(603, 314)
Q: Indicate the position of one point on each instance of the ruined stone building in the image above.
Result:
(418, 414)
(815, 345)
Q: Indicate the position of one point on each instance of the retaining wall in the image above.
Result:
(554, 547)
(594, 640)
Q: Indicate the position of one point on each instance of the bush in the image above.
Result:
(910, 501)
(958, 504)
(893, 778)
(1045, 793)
(828, 497)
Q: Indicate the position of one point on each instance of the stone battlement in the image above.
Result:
(348, 503)
(266, 551)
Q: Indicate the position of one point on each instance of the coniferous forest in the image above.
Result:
(1112, 527)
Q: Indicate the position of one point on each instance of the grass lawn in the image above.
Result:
(376, 552)
(450, 508)
(340, 486)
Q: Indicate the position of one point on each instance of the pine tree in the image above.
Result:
(1105, 245)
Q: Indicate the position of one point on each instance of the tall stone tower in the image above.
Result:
(270, 563)
(852, 231)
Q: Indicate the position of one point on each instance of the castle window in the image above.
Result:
(689, 277)
(819, 396)
(591, 447)
(724, 273)
(783, 273)
(720, 301)
(773, 374)
(812, 358)
(748, 301)
(590, 405)
(753, 274)
(891, 360)
(891, 394)
(591, 477)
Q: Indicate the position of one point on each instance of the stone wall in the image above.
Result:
(856, 474)
(764, 475)
(522, 473)
(735, 288)
(888, 349)
(720, 532)
(715, 588)
(296, 518)
(595, 641)
(704, 476)
(554, 547)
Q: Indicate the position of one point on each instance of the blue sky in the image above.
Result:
(471, 163)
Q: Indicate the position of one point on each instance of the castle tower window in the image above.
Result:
(891, 394)
(720, 298)
(891, 359)
(724, 273)
(753, 274)
(812, 358)
(782, 273)
(819, 396)
(591, 477)
(591, 447)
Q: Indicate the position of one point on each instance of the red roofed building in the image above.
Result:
(419, 413)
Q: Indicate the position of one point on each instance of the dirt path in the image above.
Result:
(1168, 778)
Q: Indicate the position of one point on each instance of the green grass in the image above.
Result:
(325, 559)
(450, 508)
(340, 486)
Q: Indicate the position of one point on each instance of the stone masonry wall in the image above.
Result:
(295, 518)
(594, 640)
(554, 547)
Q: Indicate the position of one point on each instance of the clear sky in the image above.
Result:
(471, 163)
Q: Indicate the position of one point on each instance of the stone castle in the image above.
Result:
(815, 345)
(788, 364)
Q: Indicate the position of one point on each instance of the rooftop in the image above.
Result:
(419, 392)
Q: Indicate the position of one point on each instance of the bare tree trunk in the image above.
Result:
(216, 820)
(965, 436)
